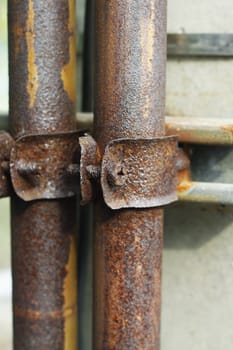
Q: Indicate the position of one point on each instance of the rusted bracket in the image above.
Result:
(40, 166)
(45, 166)
(133, 173)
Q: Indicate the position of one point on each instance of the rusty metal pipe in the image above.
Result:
(42, 100)
(208, 131)
(129, 102)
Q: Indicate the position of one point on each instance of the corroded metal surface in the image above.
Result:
(42, 49)
(42, 100)
(129, 103)
(139, 173)
(45, 166)
(6, 143)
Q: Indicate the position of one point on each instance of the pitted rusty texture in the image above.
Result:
(45, 166)
(44, 274)
(130, 66)
(42, 101)
(127, 278)
(139, 173)
(6, 143)
(130, 46)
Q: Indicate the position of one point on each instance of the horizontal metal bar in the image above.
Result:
(207, 45)
(200, 44)
(208, 131)
(205, 192)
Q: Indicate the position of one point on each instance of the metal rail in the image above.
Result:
(200, 45)
(205, 192)
(207, 131)
(42, 100)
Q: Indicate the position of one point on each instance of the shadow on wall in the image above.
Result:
(212, 164)
(195, 226)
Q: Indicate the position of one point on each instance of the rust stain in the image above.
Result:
(70, 296)
(184, 186)
(32, 84)
(18, 33)
(184, 181)
(37, 314)
(68, 72)
(229, 130)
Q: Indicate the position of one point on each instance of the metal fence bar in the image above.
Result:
(200, 45)
(208, 131)
(129, 102)
(42, 100)
(205, 192)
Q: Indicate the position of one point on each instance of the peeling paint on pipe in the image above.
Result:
(42, 86)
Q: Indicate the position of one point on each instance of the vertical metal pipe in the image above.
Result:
(42, 100)
(130, 103)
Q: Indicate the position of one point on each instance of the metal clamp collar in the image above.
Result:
(132, 173)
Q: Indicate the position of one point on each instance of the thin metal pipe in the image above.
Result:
(129, 102)
(42, 100)
(205, 192)
(209, 131)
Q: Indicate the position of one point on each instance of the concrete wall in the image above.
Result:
(200, 87)
(197, 310)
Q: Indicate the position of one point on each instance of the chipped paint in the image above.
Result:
(42, 229)
(18, 33)
(32, 84)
